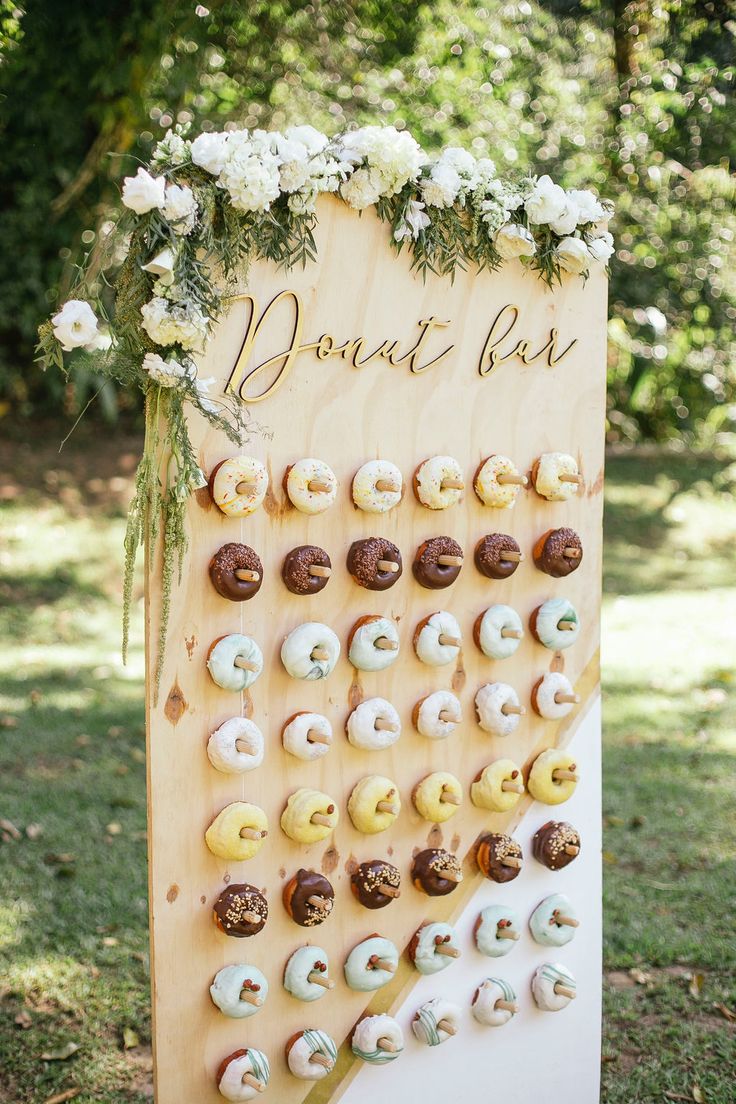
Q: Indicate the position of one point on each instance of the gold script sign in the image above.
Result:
(258, 382)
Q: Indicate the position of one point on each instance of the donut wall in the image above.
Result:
(374, 775)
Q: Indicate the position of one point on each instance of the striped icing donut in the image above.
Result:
(377, 1040)
(243, 1075)
(435, 1021)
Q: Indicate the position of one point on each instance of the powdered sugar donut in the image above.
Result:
(235, 662)
(556, 477)
(377, 1039)
(373, 643)
(553, 696)
(435, 1021)
(498, 787)
(498, 632)
(433, 947)
(553, 777)
(310, 485)
(439, 483)
(311, 1054)
(553, 921)
(555, 624)
(236, 746)
(438, 796)
(310, 651)
(243, 1075)
(238, 486)
(553, 987)
(239, 991)
(496, 930)
(371, 964)
(377, 487)
(497, 482)
(498, 708)
(373, 725)
(438, 715)
(308, 736)
(494, 1002)
(438, 639)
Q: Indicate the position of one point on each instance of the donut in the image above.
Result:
(377, 487)
(496, 930)
(555, 476)
(497, 556)
(238, 486)
(438, 715)
(311, 1054)
(435, 1021)
(309, 816)
(310, 651)
(306, 569)
(371, 964)
(553, 987)
(498, 709)
(436, 872)
(307, 736)
(237, 832)
(236, 572)
(239, 991)
(555, 624)
(374, 563)
(438, 639)
(553, 696)
(498, 632)
(553, 777)
(438, 482)
(240, 911)
(310, 485)
(553, 921)
(375, 884)
(373, 725)
(308, 898)
(433, 947)
(498, 787)
(499, 857)
(306, 975)
(437, 563)
(377, 1039)
(497, 482)
(438, 796)
(373, 643)
(494, 1002)
(236, 746)
(243, 1075)
(234, 662)
(558, 552)
(556, 844)
(374, 804)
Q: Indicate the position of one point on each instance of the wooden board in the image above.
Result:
(346, 415)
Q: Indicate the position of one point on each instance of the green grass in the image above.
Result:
(73, 941)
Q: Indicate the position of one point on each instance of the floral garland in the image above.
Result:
(215, 203)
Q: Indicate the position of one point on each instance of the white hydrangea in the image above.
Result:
(514, 241)
(209, 151)
(180, 208)
(75, 325)
(589, 207)
(362, 189)
(572, 255)
(250, 174)
(143, 192)
(546, 203)
(166, 373)
(173, 148)
(169, 323)
(394, 157)
(484, 175)
(415, 220)
(601, 247)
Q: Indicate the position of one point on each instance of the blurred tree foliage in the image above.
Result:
(634, 98)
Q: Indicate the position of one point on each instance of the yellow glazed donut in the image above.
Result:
(374, 804)
(309, 816)
(311, 486)
(498, 787)
(553, 777)
(377, 487)
(238, 486)
(438, 796)
(237, 832)
(497, 482)
(556, 476)
(438, 482)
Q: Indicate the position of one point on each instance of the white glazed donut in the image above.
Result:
(225, 671)
(315, 473)
(544, 696)
(547, 473)
(487, 995)
(498, 632)
(490, 703)
(496, 930)
(296, 736)
(365, 650)
(435, 1021)
(373, 725)
(435, 637)
(438, 715)
(501, 495)
(232, 1071)
(373, 1036)
(546, 620)
(368, 496)
(239, 471)
(431, 479)
(301, 1050)
(547, 980)
(433, 948)
(310, 651)
(239, 991)
(236, 746)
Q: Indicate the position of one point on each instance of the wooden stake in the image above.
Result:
(570, 477)
(447, 717)
(253, 833)
(252, 918)
(249, 1079)
(382, 725)
(513, 710)
(512, 556)
(246, 575)
(322, 1060)
(567, 920)
(320, 653)
(386, 807)
(563, 991)
(446, 950)
(567, 626)
(506, 933)
(571, 553)
(315, 737)
(449, 641)
(320, 818)
(450, 561)
(319, 571)
(245, 488)
(242, 747)
(512, 861)
(316, 977)
(387, 485)
(508, 478)
(452, 485)
(317, 485)
(561, 775)
(561, 698)
(317, 901)
(450, 798)
(450, 876)
(447, 1027)
(388, 890)
(245, 664)
(572, 849)
(251, 998)
(385, 644)
(511, 787)
(386, 1044)
(388, 565)
(507, 1006)
(384, 964)
(511, 634)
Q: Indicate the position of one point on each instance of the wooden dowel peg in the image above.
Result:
(317, 486)
(322, 1060)
(449, 641)
(245, 488)
(571, 553)
(446, 950)
(387, 485)
(450, 561)
(253, 833)
(563, 991)
(450, 876)
(510, 555)
(516, 710)
(319, 571)
(561, 698)
(507, 1006)
(567, 626)
(570, 477)
(386, 1044)
(452, 485)
(561, 775)
(389, 890)
(317, 901)
(448, 717)
(245, 664)
(247, 575)
(509, 479)
(572, 849)
(243, 748)
(250, 998)
(249, 1079)
(388, 565)
(387, 807)
(385, 644)
(321, 818)
(316, 977)
(506, 933)
(252, 918)
(450, 798)
(381, 964)
(320, 653)
(512, 787)
(512, 861)
(512, 634)
(382, 725)
(566, 920)
(447, 1027)
(315, 737)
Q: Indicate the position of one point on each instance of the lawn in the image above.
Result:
(73, 940)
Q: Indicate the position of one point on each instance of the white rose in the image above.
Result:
(166, 373)
(180, 208)
(459, 160)
(566, 222)
(601, 248)
(75, 325)
(589, 206)
(209, 151)
(312, 140)
(572, 254)
(547, 201)
(514, 241)
(143, 192)
(162, 265)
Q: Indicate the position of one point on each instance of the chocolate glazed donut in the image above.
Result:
(297, 898)
(489, 556)
(240, 910)
(556, 844)
(295, 570)
(371, 881)
(225, 566)
(436, 872)
(499, 857)
(365, 558)
(558, 552)
(428, 571)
